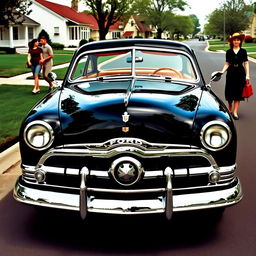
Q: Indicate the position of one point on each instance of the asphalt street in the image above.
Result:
(25, 231)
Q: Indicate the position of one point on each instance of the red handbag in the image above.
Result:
(247, 91)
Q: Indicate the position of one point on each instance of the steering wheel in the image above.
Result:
(179, 75)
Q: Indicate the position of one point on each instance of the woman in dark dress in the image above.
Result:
(35, 55)
(237, 67)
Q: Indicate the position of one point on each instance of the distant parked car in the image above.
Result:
(134, 129)
(201, 38)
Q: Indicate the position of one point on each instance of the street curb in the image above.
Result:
(9, 157)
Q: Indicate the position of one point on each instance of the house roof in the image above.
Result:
(142, 26)
(66, 12)
(29, 21)
(72, 15)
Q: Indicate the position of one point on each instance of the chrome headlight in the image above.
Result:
(39, 135)
(215, 135)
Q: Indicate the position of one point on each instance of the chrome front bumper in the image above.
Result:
(146, 200)
(165, 204)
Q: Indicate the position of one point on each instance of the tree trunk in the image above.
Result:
(159, 33)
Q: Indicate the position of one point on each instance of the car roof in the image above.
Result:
(165, 44)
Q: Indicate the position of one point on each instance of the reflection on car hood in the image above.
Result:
(157, 117)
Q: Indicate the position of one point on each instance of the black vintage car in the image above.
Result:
(134, 129)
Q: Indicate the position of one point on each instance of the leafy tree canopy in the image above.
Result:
(196, 24)
(107, 12)
(13, 11)
(158, 13)
(233, 16)
(183, 25)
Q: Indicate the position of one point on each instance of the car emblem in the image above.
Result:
(125, 117)
(126, 171)
(125, 129)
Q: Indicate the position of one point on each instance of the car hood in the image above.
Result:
(154, 117)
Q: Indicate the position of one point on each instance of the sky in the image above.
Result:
(202, 8)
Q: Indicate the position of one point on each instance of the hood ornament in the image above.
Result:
(125, 117)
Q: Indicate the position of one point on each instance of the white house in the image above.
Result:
(64, 25)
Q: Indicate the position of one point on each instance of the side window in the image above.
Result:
(84, 67)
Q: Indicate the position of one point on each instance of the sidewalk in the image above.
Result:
(22, 79)
(9, 169)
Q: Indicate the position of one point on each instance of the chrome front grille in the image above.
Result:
(181, 178)
(190, 165)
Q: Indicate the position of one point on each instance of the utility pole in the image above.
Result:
(224, 25)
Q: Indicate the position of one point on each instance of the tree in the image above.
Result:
(107, 13)
(13, 11)
(158, 13)
(196, 24)
(236, 14)
(183, 25)
(43, 33)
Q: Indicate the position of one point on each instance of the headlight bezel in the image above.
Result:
(219, 128)
(44, 126)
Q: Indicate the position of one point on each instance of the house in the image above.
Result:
(18, 35)
(64, 25)
(136, 27)
(251, 31)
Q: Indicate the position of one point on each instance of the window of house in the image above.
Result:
(84, 33)
(15, 33)
(56, 31)
(116, 34)
(74, 33)
(30, 33)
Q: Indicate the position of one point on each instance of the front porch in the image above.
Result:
(15, 36)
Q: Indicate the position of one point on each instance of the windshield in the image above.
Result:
(152, 63)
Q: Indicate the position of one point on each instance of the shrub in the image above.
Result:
(45, 34)
(57, 46)
(8, 50)
(82, 42)
(248, 39)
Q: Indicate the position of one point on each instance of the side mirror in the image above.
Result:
(216, 76)
(52, 76)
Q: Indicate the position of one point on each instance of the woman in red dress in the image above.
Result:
(237, 67)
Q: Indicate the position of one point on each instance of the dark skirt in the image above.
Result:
(235, 82)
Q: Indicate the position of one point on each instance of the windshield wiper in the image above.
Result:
(165, 78)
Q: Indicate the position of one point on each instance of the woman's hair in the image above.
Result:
(231, 45)
(31, 43)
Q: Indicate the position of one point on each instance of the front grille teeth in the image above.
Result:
(58, 174)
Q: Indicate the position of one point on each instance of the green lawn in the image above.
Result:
(14, 64)
(17, 100)
(219, 45)
(62, 71)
